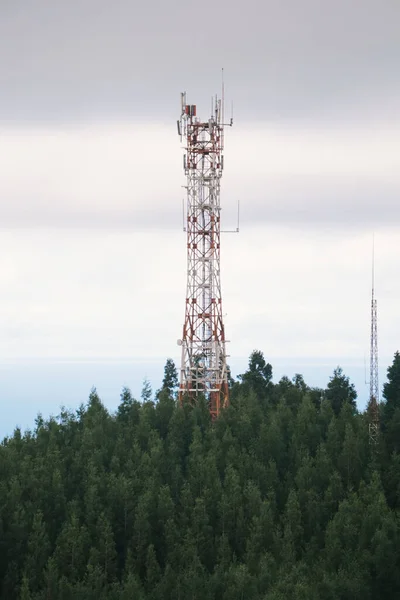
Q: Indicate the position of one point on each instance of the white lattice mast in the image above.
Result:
(373, 404)
(203, 365)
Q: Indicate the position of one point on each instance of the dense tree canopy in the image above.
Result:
(281, 497)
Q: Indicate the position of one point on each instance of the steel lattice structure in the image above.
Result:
(373, 405)
(203, 364)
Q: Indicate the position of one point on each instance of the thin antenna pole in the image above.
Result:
(223, 97)
(373, 264)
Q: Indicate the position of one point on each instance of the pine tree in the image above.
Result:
(340, 390)
(132, 590)
(153, 573)
(391, 389)
(72, 549)
(391, 408)
(51, 577)
(146, 392)
(38, 552)
(128, 409)
(106, 548)
(258, 374)
(170, 381)
(25, 593)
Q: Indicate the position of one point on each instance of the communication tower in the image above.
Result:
(373, 404)
(203, 365)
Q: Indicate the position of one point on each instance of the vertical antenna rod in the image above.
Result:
(203, 364)
(373, 404)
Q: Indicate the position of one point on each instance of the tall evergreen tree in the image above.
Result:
(258, 374)
(146, 392)
(38, 552)
(391, 408)
(170, 381)
(391, 389)
(340, 390)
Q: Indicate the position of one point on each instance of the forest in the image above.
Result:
(282, 497)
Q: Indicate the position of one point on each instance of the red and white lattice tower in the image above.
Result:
(373, 404)
(203, 366)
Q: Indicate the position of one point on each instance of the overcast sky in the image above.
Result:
(92, 256)
(283, 58)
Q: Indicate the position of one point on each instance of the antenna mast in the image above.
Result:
(373, 404)
(203, 364)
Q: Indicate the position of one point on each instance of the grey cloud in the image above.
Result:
(61, 217)
(99, 59)
(305, 202)
(314, 202)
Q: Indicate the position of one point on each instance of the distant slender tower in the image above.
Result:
(373, 404)
(203, 365)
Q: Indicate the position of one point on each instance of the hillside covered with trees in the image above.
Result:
(282, 497)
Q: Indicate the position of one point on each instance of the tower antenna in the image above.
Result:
(203, 364)
(223, 95)
(373, 404)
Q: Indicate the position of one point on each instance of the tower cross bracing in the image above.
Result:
(203, 363)
(373, 405)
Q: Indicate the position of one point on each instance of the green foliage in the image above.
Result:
(258, 374)
(170, 381)
(340, 391)
(391, 389)
(279, 498)
(146, 392)
(391, 409)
